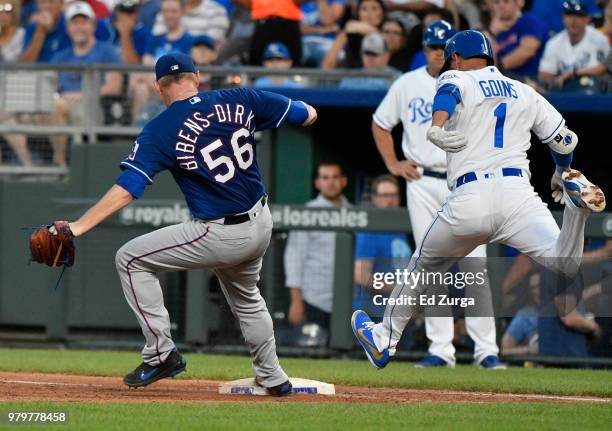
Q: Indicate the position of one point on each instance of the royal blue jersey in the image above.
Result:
(207, 143)
(106, 32)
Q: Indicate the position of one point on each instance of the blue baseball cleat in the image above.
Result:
(582, 192)
(432, 361)
(492, 362)
(362, 328)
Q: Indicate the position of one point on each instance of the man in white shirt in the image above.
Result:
(577, 47)
(201, 17)
(309, 255)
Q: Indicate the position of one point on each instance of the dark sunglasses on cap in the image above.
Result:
(6, 7)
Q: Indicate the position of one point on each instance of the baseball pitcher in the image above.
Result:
(483, 121)
(410, 100)
(206, 141)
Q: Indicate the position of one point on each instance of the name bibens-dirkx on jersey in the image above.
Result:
(207, 143)
(496, 114)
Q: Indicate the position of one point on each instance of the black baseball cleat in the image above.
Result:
(146, 374)
(281, 390)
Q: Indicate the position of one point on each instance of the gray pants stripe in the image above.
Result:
(127, 267)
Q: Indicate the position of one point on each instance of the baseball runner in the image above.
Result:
(206, 141)
(483, 121)
(410, 100)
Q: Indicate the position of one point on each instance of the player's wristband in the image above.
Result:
(562, 161)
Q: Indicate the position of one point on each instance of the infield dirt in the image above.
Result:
(27, 387)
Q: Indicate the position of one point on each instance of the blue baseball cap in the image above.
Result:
(575, 7)
(277, 50)
(173, 63)
(437, 33)
(204, 40)
(468, 44)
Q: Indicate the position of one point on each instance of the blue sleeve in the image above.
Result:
(447, 98)
(519, 328)
(532, 26)
(145, 160)
(132, 182)
(141, 38)
(29, 32)
(270, 109)
(298, 113)
(150, 49)
(365, 246)
(562, 160)
(111, 55)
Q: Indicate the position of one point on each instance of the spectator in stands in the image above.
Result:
(374, 57)
(575, 49)
(236, 50)
(85, 49)
(346, 49)
(563, 326)
(521, 336)
(148, 12)
(416, 54)
(11, 33)
(320, 25)
(421, 7)
(124, 30)
(309, 255)
(379, 251)
(275, 21)
(11, 42)
(394, 33)
(203, 53)
(199, 17)
(518, 39)
(277, 57)
(45, 35)
(551, 12)
(175, 38)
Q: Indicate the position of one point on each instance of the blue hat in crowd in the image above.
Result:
(575, 7)
(173, 63)
(437, 33)
(204, 40)
(277, 50)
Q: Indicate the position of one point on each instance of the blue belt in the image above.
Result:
(471, 176)
(440, 175)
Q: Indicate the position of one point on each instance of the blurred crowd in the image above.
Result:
(555, 45)
(548, 41)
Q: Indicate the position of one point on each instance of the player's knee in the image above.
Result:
(121, 259)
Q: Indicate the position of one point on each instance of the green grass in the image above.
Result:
(350, 372)
(307, 416)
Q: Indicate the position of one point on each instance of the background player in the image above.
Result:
(487, 120)
(206, 141)
(410, 100)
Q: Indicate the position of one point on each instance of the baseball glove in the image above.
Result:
(53, 245)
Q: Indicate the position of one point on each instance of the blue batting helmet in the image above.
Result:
(468, 44)
(437, 33)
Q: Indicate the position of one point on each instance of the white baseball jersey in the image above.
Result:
(410, 101)
(496, 114)
(561, 56)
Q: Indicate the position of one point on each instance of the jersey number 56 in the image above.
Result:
(244, 155)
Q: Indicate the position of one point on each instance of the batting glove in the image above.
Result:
(449, 141)
(556, 185)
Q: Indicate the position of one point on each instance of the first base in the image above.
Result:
(300, 386)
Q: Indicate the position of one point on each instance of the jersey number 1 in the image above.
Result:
(500, 114)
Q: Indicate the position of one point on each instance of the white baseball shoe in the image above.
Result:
(582, 192)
